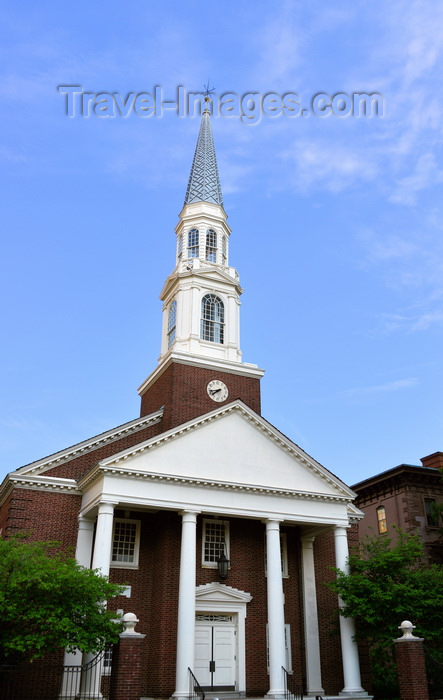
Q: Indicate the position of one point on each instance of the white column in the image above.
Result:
(83, 554)
(103, 538)
(85, 537)
(276, 614)
(349, 650)
(312, 641)
(186, 604)
(101, 560)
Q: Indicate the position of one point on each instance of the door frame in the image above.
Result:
(220, 599)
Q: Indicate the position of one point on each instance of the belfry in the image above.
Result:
(221, 528)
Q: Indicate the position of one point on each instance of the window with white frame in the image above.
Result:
(288, 652)
(193, 243)
(212, 319)
(180, 246)
(215, 541)
(283, 554)
(172, 323)
(125, 543)
(211, 245)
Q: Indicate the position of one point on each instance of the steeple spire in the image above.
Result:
(204, 182)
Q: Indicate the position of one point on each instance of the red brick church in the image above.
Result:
(221, 528)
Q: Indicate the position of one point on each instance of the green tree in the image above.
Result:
(49, 602)
(389, 581)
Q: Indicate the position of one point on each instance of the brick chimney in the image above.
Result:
(434, 460)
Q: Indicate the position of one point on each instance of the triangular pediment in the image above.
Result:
(220, 593)
(231, 447)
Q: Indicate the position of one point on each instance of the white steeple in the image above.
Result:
(202, 296)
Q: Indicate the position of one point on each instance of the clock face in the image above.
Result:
(217, 390)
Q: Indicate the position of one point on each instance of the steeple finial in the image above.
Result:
(204, 181)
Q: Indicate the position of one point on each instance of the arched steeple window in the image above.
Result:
(212, 319)
(193, 243)
(180, 246)
(211, 245)
(172, 323)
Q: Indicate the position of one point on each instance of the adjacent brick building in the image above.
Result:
(405, 497)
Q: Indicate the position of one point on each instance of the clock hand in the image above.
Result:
(214, 391)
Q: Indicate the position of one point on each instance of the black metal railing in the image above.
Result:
(195, 689)
(49, 681)
(293, 691)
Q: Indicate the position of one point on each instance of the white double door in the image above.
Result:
(215, 659)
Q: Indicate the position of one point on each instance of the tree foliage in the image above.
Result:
(49, 602)
(390, 581)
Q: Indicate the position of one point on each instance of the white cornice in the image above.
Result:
(101, 470)
(243, 369)
(189, 273)
(39, 483)
(91, 444)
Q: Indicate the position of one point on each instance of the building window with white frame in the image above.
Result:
(288, 650)
(180, 246)
(172, 323)
(125, 543)
(211, 245)
(215, 541)
(193, 243)
(283, 554)
(212, 319)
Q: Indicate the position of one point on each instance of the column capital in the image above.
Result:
(107, 506)
(307, 541)
(189, 516)
(272, 523)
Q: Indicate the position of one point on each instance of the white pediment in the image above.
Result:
(231, 446)
(220, 593)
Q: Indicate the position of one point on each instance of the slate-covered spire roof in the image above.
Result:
(204, 182)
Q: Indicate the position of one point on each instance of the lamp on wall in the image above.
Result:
(223, 565)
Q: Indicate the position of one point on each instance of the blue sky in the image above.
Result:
(337, 222)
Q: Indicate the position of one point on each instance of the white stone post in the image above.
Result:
(83, 554)
(186, 604)
(101, 560)
(312, 641)
(349, 650)
(276, 614)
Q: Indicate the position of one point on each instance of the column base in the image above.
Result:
(358, 693)
(276, 694)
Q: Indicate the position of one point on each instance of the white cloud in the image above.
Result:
(397, 385)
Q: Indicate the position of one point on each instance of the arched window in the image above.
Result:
(180, 246)
(172, 323)
(211, 245)
(193, 243)
(381, 520)
(212, 319)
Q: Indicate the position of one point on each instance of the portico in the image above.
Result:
(295, 493)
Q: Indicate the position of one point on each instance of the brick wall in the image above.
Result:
(181, 389)
(43, 515)
(78, 467)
